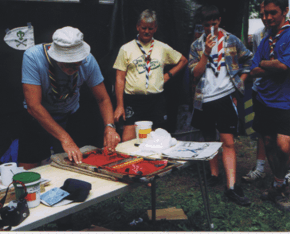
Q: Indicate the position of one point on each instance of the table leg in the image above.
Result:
(153, 199)
(204, 195)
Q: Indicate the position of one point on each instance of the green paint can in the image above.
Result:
(32, 184)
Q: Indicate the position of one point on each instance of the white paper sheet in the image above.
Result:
(188, 150)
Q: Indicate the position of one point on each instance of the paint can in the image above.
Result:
(32, 184)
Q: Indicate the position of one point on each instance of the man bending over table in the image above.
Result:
(52, 75)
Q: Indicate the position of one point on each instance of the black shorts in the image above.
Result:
(271, 121)
(254, 99)
(145, 107)
(35, 142)
(219, 114)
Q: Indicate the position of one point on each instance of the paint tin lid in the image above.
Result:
(27, 177)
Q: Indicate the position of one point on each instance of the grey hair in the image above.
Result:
(149, 16)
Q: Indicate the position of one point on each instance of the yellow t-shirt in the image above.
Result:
(132, 60)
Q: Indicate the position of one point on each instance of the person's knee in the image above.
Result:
(227, 140)
(228, 145)
(283, 144)
(284, 148)
(128, 133)
(269, 141)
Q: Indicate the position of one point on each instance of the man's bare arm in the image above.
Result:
(268, 68)
(119, 87)
(273, 66)
(201, 66)
(33, 97)
(111, 137)
(181, 63)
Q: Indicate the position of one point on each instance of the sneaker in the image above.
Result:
(254, 175)
(237, 196)
(287, 176)
(279, 196)
(214, 180)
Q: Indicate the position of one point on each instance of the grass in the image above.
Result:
(181, 189)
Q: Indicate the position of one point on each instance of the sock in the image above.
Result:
(231, 187)
(278, 182)
(260, 165)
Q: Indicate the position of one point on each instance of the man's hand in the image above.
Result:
(166, 77)
(73, 151)
(111, 139)
(244, 77)
(120, 111)
(273, 66)
(209, 44)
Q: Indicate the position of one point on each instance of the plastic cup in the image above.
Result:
(143, 128)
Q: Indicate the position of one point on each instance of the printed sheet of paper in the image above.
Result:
(146, 154)
(188, 150)
(53, 196)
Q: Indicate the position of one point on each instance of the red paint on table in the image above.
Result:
(100, 158)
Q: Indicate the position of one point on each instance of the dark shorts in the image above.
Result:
(219, 114)
(145, 107)
(271, 121)
(35, 142)
(254, 99)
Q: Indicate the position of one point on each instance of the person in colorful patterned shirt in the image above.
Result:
(272, 112)
(214, 61)
(52, 75)
(140, 77)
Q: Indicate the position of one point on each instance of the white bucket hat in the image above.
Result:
(68, 46)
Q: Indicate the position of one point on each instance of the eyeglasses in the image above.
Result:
(74, 66)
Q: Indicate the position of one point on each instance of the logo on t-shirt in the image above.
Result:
(129, 112)
(141, 64)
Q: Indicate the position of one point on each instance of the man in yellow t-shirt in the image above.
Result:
(140, 77)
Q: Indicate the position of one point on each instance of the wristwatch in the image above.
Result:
(111, 125)
(170, 74)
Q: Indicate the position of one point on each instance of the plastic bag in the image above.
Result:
(158, 141)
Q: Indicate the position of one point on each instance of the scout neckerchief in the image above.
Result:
(147, 58)
(216, 67)
(272, 41)
(54, 85)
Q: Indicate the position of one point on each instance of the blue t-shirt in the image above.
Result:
(274, 91)
(35, 71)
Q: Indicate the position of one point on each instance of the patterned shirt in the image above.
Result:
(235, 53)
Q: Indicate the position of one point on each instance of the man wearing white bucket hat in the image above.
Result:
(52, 75)
(140, 77)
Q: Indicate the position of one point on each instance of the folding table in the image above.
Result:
(102, 189)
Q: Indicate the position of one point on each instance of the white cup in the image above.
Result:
(143, 128)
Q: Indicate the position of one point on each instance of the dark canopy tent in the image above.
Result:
(105, 28)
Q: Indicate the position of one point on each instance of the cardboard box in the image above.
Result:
(169, 214)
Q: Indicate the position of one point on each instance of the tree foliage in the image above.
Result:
(254, 8)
